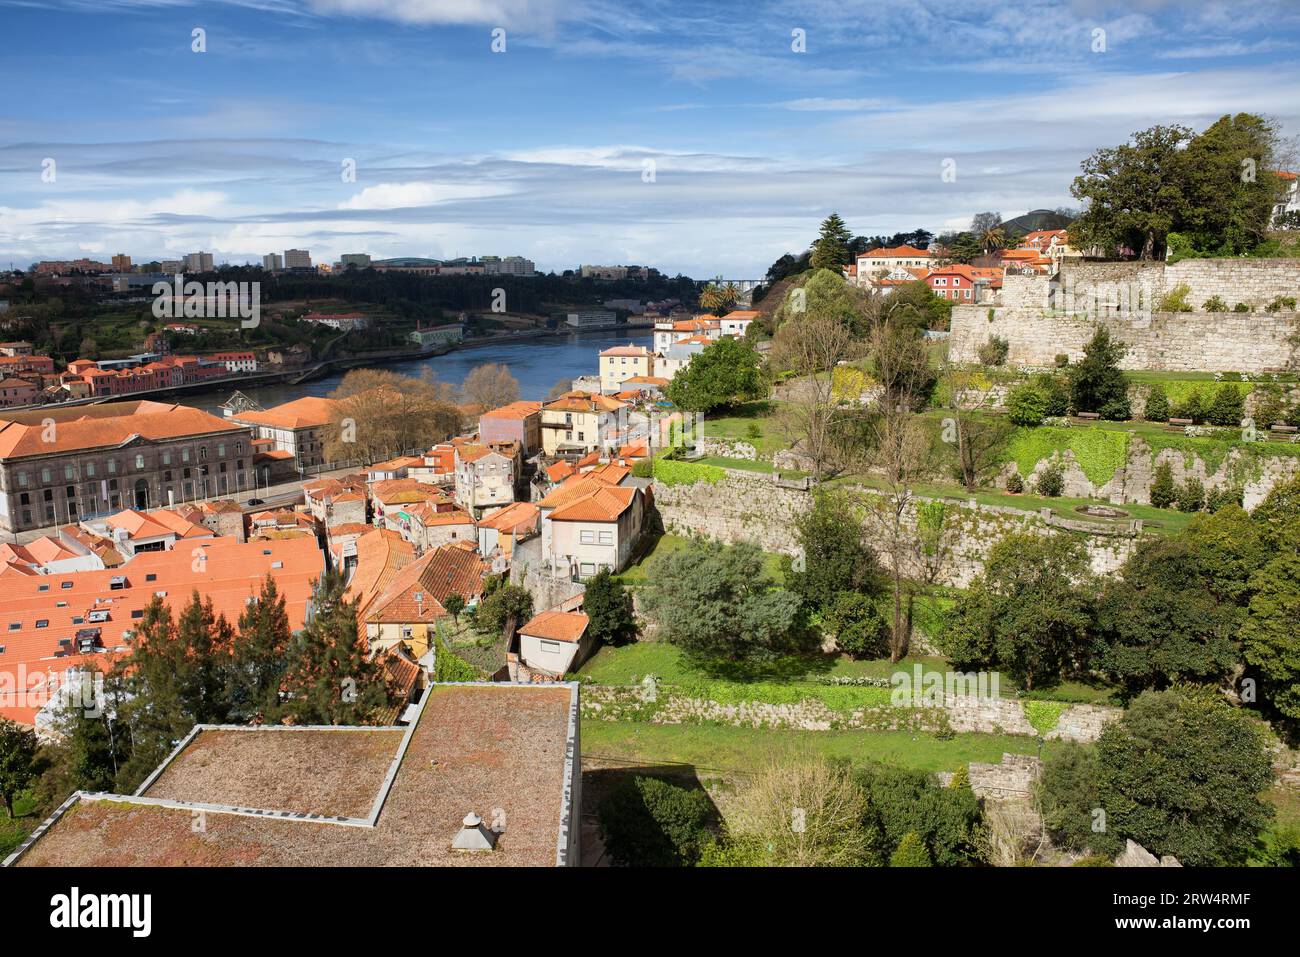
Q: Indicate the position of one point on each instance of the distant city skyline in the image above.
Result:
(692, 139)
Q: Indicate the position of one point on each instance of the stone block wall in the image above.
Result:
(1042, 317)
(749, 507)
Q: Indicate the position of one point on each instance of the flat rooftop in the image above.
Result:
(238, 797)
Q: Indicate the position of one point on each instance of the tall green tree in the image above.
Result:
(260, 655)
(1030, 613)
(608, 606)
(1182, 772)
(330, 679)
(17, 761)
(830, 249)
(1134, 193)
(836, 553)
(1270, 635)
(1096, 382)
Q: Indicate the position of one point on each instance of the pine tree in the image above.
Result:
(830, 251)
(205, 641)
(911, 852)
(153, 676)
(259, 657)
(960, 778)
(329, 679)
(1228, 405)
(1157, 409)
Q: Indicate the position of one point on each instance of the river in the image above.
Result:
(537, 363)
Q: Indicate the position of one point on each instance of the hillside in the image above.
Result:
(1036, 219)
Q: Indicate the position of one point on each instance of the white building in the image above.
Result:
(508, 266)
(273, 262)
(1291, 202)
(591, 319)
(297, 259)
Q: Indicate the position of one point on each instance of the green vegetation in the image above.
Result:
(1099, 452)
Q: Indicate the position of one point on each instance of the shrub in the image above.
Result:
(1194, 407)
(1026, 405)
(1227, 407)
(1056, 395)
(1270, 406)
(1051, 481)
(994, 352)
(911, 852)
(859, 627)
(1220, 497)
(1280, 303)
(1157, 409)
(448, 666)
(1116, 409)
(1241, 307)
(1163, 490)
(1191, 496)
(1062, 360)
(1215, 304)
(1175, 300)
(647, 822)
(1015, 484)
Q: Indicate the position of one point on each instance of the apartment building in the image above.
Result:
(296, 427)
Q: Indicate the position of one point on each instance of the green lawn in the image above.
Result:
(743, 422)
(728, 749)
(630, 663)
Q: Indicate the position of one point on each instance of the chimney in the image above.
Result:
(473, 836)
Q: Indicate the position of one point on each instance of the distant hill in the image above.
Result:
(1036, 219)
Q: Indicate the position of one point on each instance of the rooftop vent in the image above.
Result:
(474, 836)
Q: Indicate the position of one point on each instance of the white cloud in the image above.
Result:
(401, 195)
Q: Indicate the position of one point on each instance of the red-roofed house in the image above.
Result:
(589, 524)
(556, 642)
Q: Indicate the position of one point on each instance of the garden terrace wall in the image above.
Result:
(748, 507)
(1042, 317)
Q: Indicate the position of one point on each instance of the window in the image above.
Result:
(22, 478)
(137, 613)
(185, 455)
(90, 470)
(66, 584)
(151, 576)
(45, 475)
(588, 568)
(588, 537)
(139, 462)
(68, 471)
(167, 457)
(15, 626)
(550, 647)
(607, 538)
(112, 466)
(42, 623)
(221, 450)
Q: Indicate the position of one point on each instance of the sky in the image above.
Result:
(700, 138)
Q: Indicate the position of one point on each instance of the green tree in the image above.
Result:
(911, 852)
(830, 250)
(648, 822)
(902, 802)
(1159, 624)
(1069, 797)
(859, 628)
(454, 604)
(716, 603)
(258, 656)
(608, 606)
(1269, 635)
(330, 678)
(1229, 547)
(1228, 405)
(17, 761)
(505, 604)
(1157, 409)
(1134, 194)
(836, 553)
(1029, 613)
(1164, 493)
(1026, 405)
(1096, 382)
(1181, 772)
(1278, 516)
(721, 375)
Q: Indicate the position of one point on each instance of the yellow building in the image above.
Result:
(623, 362)
(579, 422)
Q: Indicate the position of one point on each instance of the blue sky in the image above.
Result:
(541, 150)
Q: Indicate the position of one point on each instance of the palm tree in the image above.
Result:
(993, 238)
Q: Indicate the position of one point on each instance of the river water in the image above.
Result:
(537, 363)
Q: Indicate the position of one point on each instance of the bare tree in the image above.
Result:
(976, 439)
(490, 386)
(813, 347)
(380, 414)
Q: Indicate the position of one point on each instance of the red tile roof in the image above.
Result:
(557, 626)
(110, 425)
(308, 412)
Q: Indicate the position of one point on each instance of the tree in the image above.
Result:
(855, 621)
(1227, 407)
(718, 298)
(380, 414)
(1096, 382)
(608, 606)
(509, 603)
(1229, 549)
(204, 643)
(454, 604)
(1134, 193)
(1157, 408)
(976, 439)
(837, 555)
(1269, 635)
(330, 678)
(902, 802)
(1164, 492)
(1029, 613)
(982, 222)
(17, 761)
(829, 251)
(804, 813)
(647, 822)
(258, 659)
(716, 603)
(911, 852)
(1278, 516)
(490, 386)
(1069, 796)
(1181, 772)
(1158, 624)
(812, 346)
(1027, 405)
(721, 375)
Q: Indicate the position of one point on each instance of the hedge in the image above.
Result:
(673, 472)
